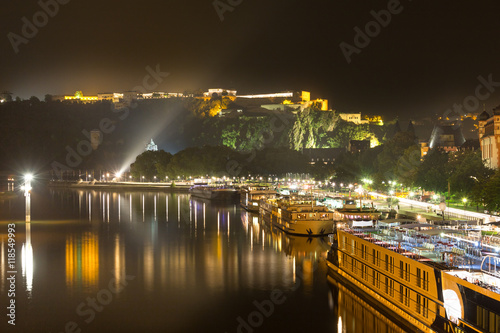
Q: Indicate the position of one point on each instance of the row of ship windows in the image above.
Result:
(420, 277)
(487, 320)
(320, 215)
(404, 295)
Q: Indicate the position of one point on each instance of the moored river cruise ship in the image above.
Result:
(429, 278)
(298, 216)
(250, 196)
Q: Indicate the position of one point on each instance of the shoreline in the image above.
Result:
(165, 187)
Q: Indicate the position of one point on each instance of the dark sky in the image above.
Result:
(426, 59)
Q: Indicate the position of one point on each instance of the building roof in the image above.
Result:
(446, 136)
(483, 116)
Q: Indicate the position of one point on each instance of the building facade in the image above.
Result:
(489, 137)
(353, 118)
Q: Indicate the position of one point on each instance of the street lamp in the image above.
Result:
(27, 193)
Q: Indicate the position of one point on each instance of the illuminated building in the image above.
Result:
(79, 97)
(353, 118)
(448, 138)
(105, 96)
(219, 92)
(288, 94)
(288, 101)
(489, 138)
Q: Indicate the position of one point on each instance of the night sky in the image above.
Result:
(426, 59)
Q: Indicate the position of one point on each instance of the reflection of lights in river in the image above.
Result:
(119, 208)
(27, 260)
(119, 260)
(155, 206)
(130, 207)
(90, 207)
(82, 259)
(107, 207)
(195, 216)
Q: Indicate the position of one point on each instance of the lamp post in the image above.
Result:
(27, 195)
(464, 200)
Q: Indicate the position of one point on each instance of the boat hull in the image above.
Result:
(215, 194)
(316, 228)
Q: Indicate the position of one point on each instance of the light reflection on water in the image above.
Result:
(196, 265)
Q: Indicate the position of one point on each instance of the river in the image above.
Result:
(132, 261)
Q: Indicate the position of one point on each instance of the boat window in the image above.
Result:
(425, 307)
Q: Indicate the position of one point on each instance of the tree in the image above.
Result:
(433, 173)
(491, 193)
(34, 99)
(310, 127)
(407, 166)
(466, 168)
(392, 151)
(150, 164)
(48, 98)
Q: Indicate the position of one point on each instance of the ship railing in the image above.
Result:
(484, 280)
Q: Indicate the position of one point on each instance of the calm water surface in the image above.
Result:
(103, 261)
